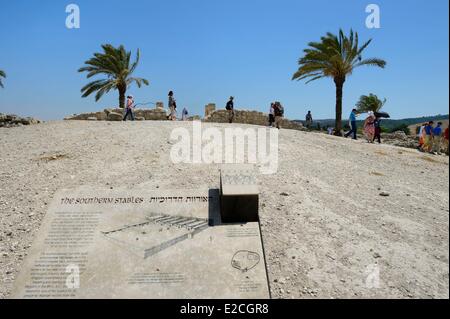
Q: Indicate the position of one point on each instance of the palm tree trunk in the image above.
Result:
(339, 89)
(122, 93)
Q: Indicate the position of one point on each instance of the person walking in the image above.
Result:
(172, 107)
(309, 120)
(184, 114)
(279, 114)
(369, 127)
(230, 109)
(377, 124)
(428, 141)
(437, 139)
(421, 135)
(353, 127)
(272, 114)
(129, 108)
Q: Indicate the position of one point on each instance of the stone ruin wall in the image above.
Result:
(246, 117)
(211, 115)
(12, 120)
(158, 114)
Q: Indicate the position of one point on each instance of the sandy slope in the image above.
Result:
(320, 236)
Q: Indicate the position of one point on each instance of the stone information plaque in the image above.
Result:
(142, 244)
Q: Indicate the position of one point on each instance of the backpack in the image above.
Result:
(279, 110)
(228, 106)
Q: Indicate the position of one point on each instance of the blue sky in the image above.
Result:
(207, 50)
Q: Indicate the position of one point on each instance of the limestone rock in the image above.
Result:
(249, 117)
(12, 120)
(157, 114)
(194, 118)
(209, 109)
(151, 114)
(113, 116)
(399, 138)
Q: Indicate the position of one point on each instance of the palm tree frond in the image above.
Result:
(372, 62)
(2, 75)
(115, 63)
(370, 102)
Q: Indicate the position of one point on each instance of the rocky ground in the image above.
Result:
(336, 210)
(398, 138)
(12, 120)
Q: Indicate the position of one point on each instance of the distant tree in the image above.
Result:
(370, 102)
(335, 57)
(116, 64)
(2, 75)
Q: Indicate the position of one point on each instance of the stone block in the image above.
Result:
(113, 116)
(239, 194)
(211, 107)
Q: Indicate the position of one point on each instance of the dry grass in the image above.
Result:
(432, 160)
(407, 151)
(381, 153)
(54, 157)
(376, 174)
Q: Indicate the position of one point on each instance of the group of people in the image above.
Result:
(173, 109)
(432, 139)
(276, 114)
(372, 127)
(130, 105)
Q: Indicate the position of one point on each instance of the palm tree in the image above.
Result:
(116, 64)
(370, 102)
(335, 57)
(2, 75)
